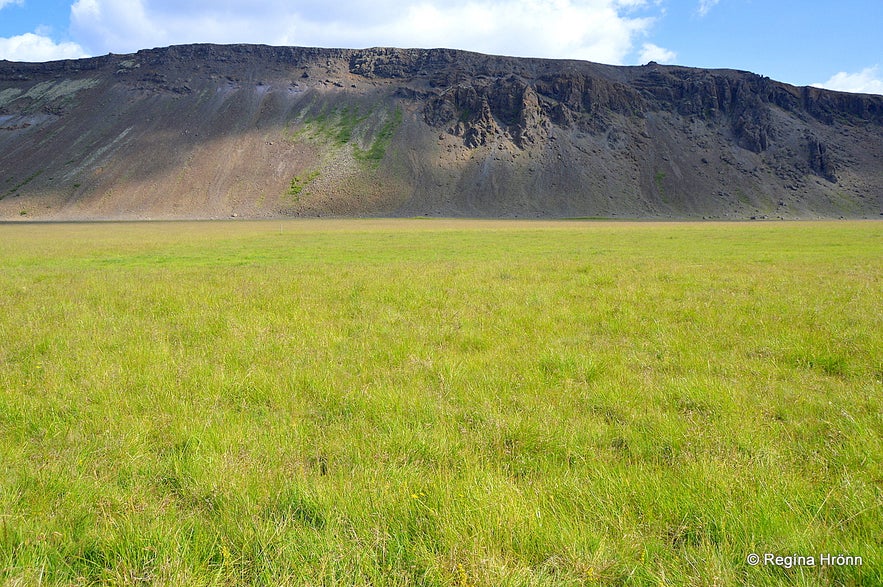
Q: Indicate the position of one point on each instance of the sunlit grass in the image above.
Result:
(439, 403)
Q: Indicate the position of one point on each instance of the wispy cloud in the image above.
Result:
(866, 81)
(4, 3)
(705, 6)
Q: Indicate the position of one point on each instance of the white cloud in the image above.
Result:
(32, 47)
(867, 81)
(112, 26)
(4, 3)
(651, 52)
(598, 30)
(705, 6)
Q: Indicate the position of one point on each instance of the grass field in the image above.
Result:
(427, 402)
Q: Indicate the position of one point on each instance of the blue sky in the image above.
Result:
(834, 44)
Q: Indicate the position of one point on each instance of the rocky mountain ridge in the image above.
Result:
(202, 131)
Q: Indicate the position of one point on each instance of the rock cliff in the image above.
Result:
(255, 131)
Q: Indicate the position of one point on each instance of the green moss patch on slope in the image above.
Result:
(368, 132)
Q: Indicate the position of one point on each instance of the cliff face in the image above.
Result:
(215, 131)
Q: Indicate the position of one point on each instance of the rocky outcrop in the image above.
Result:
(206, 130)
(819, 160)
(507, 108)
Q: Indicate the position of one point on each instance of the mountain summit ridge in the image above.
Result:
(201, 131)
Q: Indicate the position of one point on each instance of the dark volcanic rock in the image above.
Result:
(819, 160)
(208, 130)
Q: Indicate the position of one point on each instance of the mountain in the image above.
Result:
(201, 131)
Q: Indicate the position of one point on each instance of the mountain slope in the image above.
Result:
(209, 131)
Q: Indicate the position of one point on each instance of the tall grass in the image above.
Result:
(440, 403)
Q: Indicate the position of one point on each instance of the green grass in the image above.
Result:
(299, 182)
(375, 153)
(336, 126)
(439, 403)
(341, 126)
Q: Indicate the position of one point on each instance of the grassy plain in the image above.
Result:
(426, 402)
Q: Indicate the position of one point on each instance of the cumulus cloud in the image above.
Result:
(651, 52)
(35, 47)
(867, 81)
(598, 30)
